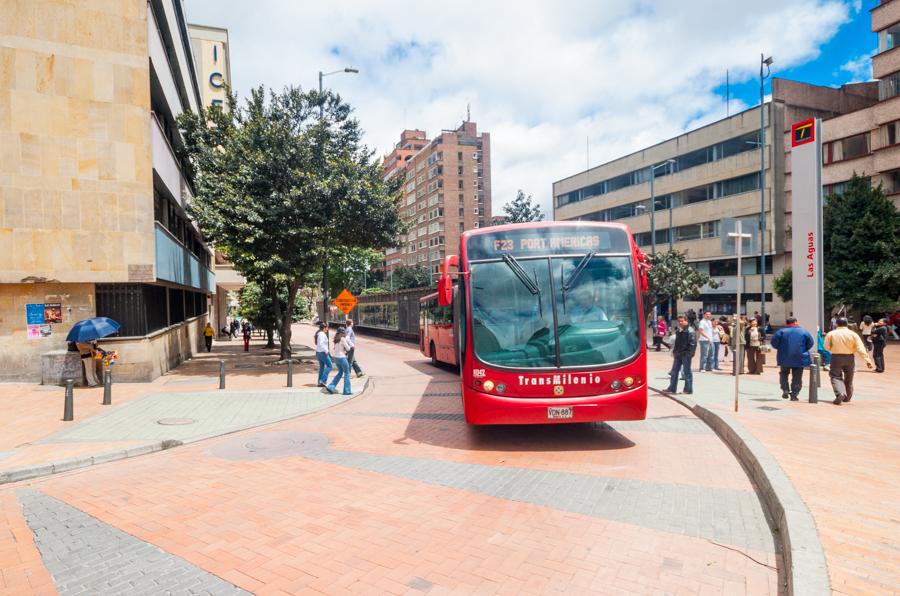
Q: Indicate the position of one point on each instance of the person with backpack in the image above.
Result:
(341, 348)
(321, 341)
(793, 344)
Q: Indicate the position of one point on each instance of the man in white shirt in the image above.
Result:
(351, 355)
(704, 336)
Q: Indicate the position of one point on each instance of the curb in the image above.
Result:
(805, 568)
(74, 463)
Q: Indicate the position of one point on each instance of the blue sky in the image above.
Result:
(542, 77)
(842, 60)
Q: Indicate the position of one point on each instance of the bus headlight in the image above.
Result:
(488, 385)
(628, 381)
(501, 387)
(615, 385)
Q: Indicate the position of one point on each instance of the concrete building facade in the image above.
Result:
(704, 180)
(446, 190)
(92, 192)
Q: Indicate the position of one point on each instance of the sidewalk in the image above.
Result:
(182, 405)
(843, 460)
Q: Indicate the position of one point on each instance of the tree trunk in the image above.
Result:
(270, 336)
(288, 319)
(325, 296)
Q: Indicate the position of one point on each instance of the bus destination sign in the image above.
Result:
(547, 241)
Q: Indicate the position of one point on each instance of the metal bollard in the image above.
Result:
(814, 379)
(221, 374)
(290, 372)
(107, 387)
(69, 407)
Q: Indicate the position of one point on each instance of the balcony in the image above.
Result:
(166, 165)
(176, 264)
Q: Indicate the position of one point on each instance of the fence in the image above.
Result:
(390, 314)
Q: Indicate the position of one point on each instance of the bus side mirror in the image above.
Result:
(445, 282)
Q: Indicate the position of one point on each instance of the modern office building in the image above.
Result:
(446, 190)
(704, 180)
(92, 190)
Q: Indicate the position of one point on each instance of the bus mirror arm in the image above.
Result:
(445, 282)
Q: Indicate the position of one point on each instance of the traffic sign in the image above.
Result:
(345, 301)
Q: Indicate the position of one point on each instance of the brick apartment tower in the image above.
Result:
(446, 190)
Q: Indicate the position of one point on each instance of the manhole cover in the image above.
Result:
(768, 408)
(175, 421)
(273, 443)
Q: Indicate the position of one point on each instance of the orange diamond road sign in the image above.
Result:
(345, 301)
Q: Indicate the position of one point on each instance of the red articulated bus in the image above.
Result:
(544, 322)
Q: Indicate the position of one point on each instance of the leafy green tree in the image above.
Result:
(522, 209)
(861, 248)
(282, 183)
(783, 285)
(411, 277)
(670, 277)
(348, 269)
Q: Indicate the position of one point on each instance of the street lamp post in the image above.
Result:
(322, 75)
(763, 63)
(653, 207)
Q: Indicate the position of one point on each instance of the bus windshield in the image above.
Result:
(591, 319)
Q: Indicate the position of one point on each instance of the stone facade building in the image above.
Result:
(92, 192)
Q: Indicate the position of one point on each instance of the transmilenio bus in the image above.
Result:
(544, 322)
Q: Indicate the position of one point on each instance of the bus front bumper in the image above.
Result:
(485, 408)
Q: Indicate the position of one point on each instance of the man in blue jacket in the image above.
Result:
(793, 344)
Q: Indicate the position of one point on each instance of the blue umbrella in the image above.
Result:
(91, 329)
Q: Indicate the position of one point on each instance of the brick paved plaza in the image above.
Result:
(392, 492)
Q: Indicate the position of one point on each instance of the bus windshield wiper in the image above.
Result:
(530, 284)
(569, 283)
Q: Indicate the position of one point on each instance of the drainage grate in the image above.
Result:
(768, 408)
(441, 394)
(175, 421)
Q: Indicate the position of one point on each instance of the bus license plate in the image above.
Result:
(553, 413)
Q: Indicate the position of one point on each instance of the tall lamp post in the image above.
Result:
(322, 75)
(764, 64)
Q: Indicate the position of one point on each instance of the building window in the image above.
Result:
(889, 86)
(848, 148)
(459, 155)
(889, 38)
(462, 211)
(890, 133)
(890, 181)
(459, 184)
(459, 170)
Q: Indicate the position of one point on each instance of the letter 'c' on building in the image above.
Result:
(216, 80)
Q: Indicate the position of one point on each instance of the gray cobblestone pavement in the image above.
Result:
(724, 515)
(212, 412)
(87, 556)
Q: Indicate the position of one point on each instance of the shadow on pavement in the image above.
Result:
(439, 420)
(257, 362)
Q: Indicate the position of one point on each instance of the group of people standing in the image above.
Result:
(343, 349)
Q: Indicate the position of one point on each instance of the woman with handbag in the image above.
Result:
(754, 338)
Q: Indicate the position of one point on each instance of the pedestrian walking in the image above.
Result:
(321, 341)
(843, 344)
(793, 344)
(692, 318)
(895, 324)
(660, 332)
(683, 350)
(341, 347)
(247, 334)
(234, 328)
(351, 356)
(208, 333)
(865, 329)
(704, 337)
(820, 347)
(753, 338)
(879, 340)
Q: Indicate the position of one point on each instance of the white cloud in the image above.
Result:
(860, 68)
(540, 76)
